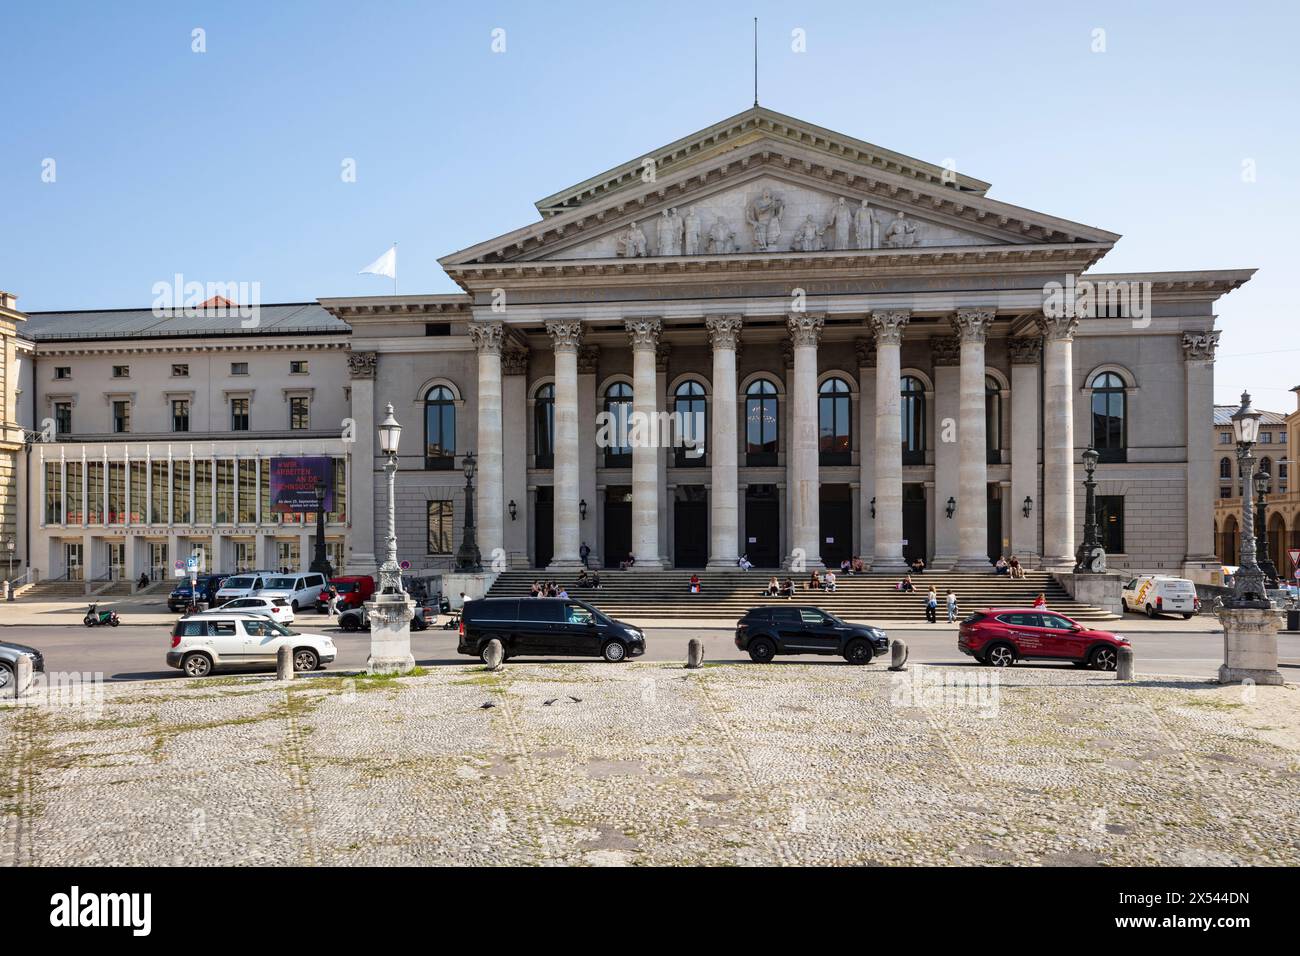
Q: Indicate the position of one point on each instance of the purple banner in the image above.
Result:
(294, 482)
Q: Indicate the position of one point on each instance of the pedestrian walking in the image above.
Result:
(333, 601)
(952, 606)
(931, 605)
(584, 552)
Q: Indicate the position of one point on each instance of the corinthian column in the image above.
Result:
(488, 338)
(567, 336)
(644, 334)
(888, 328)
(804, 481)
(1058, 441)
(724, 526)
(972, 326)
(1198, 353)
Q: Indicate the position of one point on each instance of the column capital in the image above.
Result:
(488, 336)
(644, 332)
(360, 364)
(724, 330)
(972, 325)
(1025, 351)
(805, 328)
(888, 326)
(945, 350)
(514, 360)
(565, 333)
(1200, 346)
(1057, 328)
(588, 359)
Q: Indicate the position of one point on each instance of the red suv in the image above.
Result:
(1001, 636)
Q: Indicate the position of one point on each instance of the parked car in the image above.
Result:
(352, 591)
(546, 627)
(207, 587)
(1002, 636)
(300, 590)
(9, 654)
(1160, 594)
(214, 640)
(241, 585)
(765, 632)
(274, 608)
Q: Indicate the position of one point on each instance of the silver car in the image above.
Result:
(9, 654)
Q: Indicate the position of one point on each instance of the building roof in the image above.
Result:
(1223, 416)
(293, 318)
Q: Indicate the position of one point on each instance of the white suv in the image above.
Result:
(241, 585)
(203, 642)
(300, 590)
(275, 608)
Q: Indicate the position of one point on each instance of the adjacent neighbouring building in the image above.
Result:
(1278, 434)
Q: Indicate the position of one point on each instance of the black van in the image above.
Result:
(546, 627)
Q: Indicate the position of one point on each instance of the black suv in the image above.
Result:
(546, 627)
(767, 631)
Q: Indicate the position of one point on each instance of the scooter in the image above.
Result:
(95, 617)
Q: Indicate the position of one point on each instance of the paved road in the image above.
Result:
(137, 653)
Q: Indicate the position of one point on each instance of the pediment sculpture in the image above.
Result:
(691, 233)
(808, 237)
(722, 239)
(900, 233)
(668, 234)
(632, 244)
(763, 213)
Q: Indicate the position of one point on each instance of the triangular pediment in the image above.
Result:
(805, 180)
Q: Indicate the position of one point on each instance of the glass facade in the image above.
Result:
(72, 508)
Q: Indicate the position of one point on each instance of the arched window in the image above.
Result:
(1109, 434)
(912, 413)
(692, 427)
(439, 429)
(833, 426)
(1225, 469)
(761, 423)
(993, 419)
(618, 409)
(544, 425)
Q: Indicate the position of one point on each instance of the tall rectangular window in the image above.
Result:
(53, 493)
(267, 517)
(116, 492)
(247, 491)
(225, 491)
(440, 527)
(239, 414)
(1110, 520)
(340, 512)
(181, 513)
(94, 492)
(121, 417)
(203, 492)
(299, 413)
(139, 491)
(62, 419)
(180, 415)
(159, 486)
(72, 499)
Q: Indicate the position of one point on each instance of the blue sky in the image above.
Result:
(225, 165)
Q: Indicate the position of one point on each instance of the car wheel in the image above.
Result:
(348, 623)
(859, 651)
(761, 650)
(1151, 612)
(613, 651)
(305, 660)
(294, 606)
(1103, 659)
(1187, 617)
(6, 675)
(1000, 655)
(196, 665)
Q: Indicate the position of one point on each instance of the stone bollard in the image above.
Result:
(695, 653)
(284, 663)
(22, 675)
(493, 655)
(898, 655)
(1124, 664)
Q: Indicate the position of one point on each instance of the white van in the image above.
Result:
(241, 585)
(203, 642)
(300, 590)
(1160, 594)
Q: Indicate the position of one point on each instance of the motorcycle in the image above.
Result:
(95, 617)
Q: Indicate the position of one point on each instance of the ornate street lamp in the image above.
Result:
(1263, 484)
(1091, 557)
(1248, 583)
(320, 564)
(390, 573)
(468, 559)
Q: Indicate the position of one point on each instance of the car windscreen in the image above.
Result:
(238, 583)
(280, 584)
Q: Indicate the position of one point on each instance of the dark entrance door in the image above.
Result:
(835, 509)
(690, 527)
(762, 526)
(618, 524)
(914, 523)
(995, 521)
(544, 526)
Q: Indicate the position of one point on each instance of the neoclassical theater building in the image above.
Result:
(878, 350)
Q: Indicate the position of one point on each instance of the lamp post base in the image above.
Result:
(390, 636)
(1249, 646)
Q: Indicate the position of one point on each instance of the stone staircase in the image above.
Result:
(54, 590)
(726, 595)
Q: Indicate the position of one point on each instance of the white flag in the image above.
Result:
(385, 265)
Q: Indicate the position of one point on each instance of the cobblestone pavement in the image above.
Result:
(652, 764)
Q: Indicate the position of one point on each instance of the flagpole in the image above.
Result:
(394, 270)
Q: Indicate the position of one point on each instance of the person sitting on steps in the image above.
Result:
(814, 581)
(743, 562)
(695, 584)
(828, 582)
(1001, 567)
(787, 588)
(773, 587)
(918, 566)
(1017, 570)
(906, 584)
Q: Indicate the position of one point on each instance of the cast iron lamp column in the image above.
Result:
(1248, 584)
(1091, 557)
(468, 559)
(390, 572)
(391, 610)
(1263, 481)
